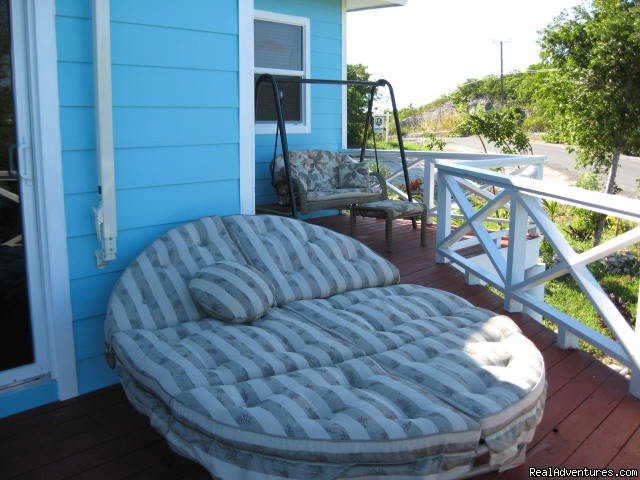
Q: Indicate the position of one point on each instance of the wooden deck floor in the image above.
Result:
(589, 420)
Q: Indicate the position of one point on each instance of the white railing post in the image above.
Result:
(516, 254)
(444, 216)
(537, 291)
(566, 339)
(518, 277)
(428, 187)
(634, 381)
(470, 279)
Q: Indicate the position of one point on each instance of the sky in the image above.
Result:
(428, 47)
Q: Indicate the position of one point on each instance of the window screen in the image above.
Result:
(279, 49)
(291, 102)
(278, 45)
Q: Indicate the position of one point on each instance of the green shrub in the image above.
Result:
(384, 170)
(583, 225)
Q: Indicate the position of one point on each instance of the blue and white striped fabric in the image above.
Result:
(351, 376)
(305, 261)
(153, 292)
(232, 292)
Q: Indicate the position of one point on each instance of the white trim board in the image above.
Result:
(246, 109)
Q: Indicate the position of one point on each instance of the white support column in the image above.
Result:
(516, 254)
(444, 216)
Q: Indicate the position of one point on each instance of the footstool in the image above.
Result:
(390, 210)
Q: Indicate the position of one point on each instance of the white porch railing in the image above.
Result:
(509, 273)
(530, 165)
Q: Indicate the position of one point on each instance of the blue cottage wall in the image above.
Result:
(326, 100)
(176, 134)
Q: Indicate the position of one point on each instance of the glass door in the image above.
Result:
(16, 340)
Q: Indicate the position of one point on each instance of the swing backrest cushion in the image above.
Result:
(315, 169)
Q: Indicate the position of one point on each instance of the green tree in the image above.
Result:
(357, 100)
(592, 99)
(502, 128)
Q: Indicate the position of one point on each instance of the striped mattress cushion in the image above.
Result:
(210, 352)
(232, 292)
(305, 261)
(389, 375)
(153, 291)
(299, 260)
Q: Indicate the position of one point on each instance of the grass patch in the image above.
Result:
(620, 284)
(565, 295)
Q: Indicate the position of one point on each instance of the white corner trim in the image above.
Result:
(246, 108)
(344, 74)
(47, 165)
(305, 22)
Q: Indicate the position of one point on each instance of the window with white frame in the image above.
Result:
(281, 48)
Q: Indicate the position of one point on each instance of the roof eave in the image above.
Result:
(355, 5)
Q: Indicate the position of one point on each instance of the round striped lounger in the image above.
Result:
(266, 348)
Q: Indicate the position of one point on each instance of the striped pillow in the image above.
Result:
(232, 292)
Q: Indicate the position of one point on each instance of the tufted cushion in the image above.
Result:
(307, 261)
(362, 194)
(211, 352)
(391, 208)
(353, 175)
(232, 292)
(311, 414)
(315, 169)
(340, 381)
(400, 372)
(153, 291)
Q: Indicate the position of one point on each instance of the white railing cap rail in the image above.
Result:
(621, 207)
(452, 156)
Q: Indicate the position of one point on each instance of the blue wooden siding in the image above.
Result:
(176, 133)
(28, 396)
(326, 101)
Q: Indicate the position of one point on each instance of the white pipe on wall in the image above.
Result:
(105, 212)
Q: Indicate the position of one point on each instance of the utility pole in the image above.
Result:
(502, 42)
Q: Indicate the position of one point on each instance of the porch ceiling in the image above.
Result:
(353, 5)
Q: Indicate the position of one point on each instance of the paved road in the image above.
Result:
(560, 164)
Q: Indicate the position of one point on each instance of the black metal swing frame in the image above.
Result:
(282, 131)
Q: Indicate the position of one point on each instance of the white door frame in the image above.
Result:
(35, 83)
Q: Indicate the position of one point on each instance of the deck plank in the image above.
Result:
(566, 436)
(629, 454)
(589, 419)
(110, 425)
(601, 447)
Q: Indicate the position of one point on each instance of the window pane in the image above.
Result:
(278, 45)
(292, 102)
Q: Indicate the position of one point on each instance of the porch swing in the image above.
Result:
(309, 181)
